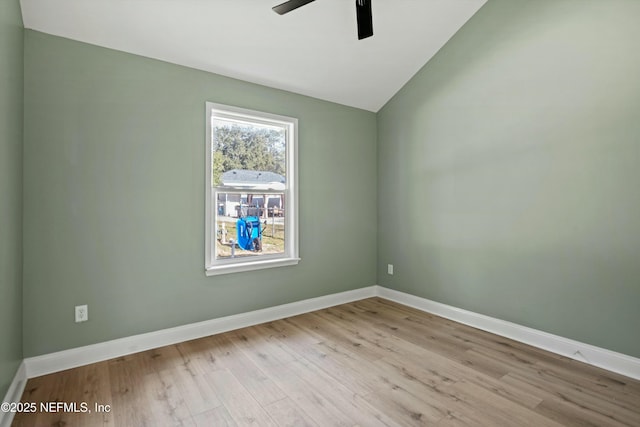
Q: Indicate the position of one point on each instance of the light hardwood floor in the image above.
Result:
(368, 363)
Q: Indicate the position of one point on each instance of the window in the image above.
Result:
(251, 190)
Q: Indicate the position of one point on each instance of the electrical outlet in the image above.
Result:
(390, 269)
(82, 313)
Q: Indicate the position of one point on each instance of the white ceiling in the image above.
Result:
(312, 51)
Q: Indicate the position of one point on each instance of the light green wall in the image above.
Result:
(114, 196)
(509, 171)
(11, 77)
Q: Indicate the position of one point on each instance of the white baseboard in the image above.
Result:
(55, 362)
(66, 359)
(14, 394)
(602, 358)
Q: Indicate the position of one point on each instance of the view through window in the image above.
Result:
(250, 165)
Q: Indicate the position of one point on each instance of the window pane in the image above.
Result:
(249, 224)
(251, 171)
(245, 154)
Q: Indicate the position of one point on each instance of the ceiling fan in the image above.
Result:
(363, 14)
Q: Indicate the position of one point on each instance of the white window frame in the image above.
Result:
(291, 255)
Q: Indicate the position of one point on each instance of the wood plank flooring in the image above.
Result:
(367, 363)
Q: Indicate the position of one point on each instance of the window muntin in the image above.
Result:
(251, 179)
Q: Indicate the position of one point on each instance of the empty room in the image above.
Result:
(319, 213)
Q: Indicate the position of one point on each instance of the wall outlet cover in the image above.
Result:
(82, 313)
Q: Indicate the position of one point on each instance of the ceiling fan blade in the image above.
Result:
(365, 20)
(290, 5)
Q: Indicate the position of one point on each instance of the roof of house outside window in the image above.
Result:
(256, 180)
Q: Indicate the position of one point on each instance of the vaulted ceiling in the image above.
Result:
(312, 50)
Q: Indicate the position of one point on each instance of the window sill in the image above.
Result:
(250, 266)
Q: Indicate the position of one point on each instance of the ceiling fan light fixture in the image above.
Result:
(363, 14)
